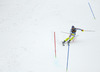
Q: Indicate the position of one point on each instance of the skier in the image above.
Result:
(72, 35)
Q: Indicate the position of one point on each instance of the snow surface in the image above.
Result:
(27, 35)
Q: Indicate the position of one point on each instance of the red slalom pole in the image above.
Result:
(55, 43)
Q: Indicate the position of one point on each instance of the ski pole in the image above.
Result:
(65, 32)
(89, 30)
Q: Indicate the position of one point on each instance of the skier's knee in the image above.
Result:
(67, 39)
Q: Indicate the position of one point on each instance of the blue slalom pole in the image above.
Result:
(91, 10)
(67, 58)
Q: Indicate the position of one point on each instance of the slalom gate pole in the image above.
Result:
(67, 58)
(91, 10)
(55, 43)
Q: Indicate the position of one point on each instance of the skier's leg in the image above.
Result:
(65, 41)
(71, 38)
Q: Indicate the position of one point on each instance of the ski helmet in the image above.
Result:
(73, 27)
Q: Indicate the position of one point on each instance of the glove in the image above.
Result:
(82, 30)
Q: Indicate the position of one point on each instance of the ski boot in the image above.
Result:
(63, 43)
